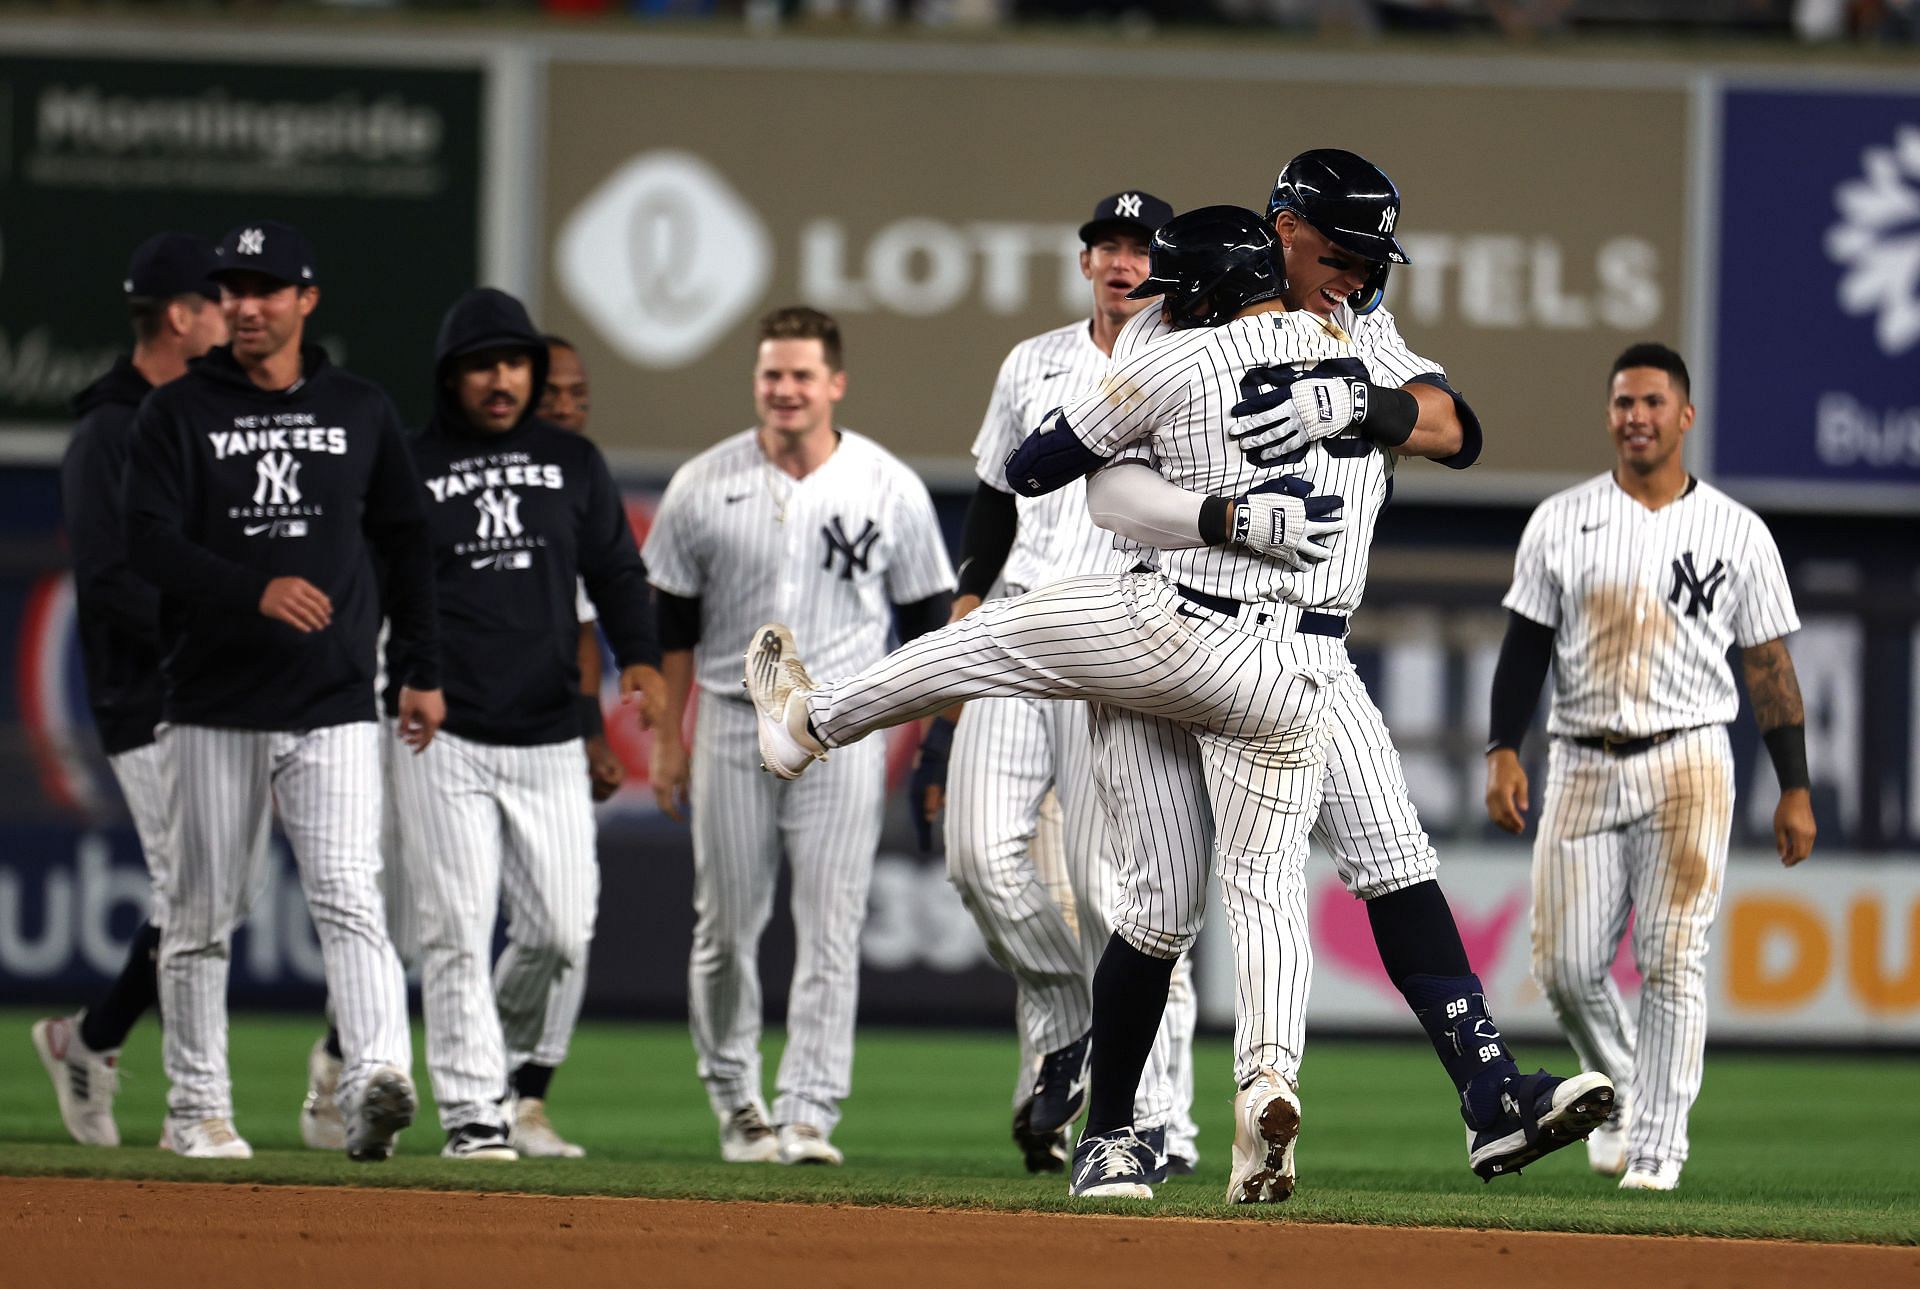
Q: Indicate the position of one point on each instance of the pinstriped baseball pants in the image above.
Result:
(1646, 833)
(478, 821)
(146, 779)
(828, 824)
(326, 783)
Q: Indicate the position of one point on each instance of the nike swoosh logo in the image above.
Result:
(1587, 528)
(1076, 1087)
(1187, 611)
(742, 497)
(1049, 375)
(482, 563)
(254, 530)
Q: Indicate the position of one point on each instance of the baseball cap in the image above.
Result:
(1131, 209)
(170, 264)
(270, 247)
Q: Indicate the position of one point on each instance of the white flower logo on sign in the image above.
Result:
(663, 258)
(1878, 241)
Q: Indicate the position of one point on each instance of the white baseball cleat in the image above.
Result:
(321, 1125)
(1651, 1175)
(84, 1080)
(779, 686)
(1266, 1123)
(386, 1106)
(534, 1136)
(802, 1143)
(1607, 1146)
(206, 1139)
(747, 1138)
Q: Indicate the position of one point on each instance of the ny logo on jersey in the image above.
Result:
(1699, 590)
(499, 513)
(1128, 206)
(252, 241)
(853, 550)
(276, 486)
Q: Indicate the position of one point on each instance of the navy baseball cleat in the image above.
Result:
(1060, 1093)
(1536, 1115)
(1046, 1152)
(1113, 1165)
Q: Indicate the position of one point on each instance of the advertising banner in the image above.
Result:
(378, 165)
(1817, 385)
(935, 215)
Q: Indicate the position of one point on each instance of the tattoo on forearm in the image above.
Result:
(1772, 685)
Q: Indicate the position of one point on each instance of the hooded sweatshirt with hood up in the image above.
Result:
(517, 518)
(231, 486)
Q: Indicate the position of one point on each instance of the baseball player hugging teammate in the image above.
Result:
(517, 511)
(259, 484)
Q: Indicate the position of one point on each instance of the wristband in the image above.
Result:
(592, 724)
(1787, 745)
(1214, 529)
(1385, 415)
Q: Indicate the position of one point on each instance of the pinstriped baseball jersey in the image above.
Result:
(1173, 398)
(1054, 538)
(1376, 341)
(1645, 603)
(827, 554)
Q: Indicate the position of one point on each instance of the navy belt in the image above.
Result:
(1620, 745)
(1311, 623)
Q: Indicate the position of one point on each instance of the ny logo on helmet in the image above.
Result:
(1387, 217)
(253, 241)
(277, 487)
(1128, 206)
(499, 513)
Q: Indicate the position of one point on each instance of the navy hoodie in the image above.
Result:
(119, 612)
(516, 519)
(232, 485)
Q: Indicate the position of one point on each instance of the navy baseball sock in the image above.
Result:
(1420, 947)
(1129, 994)
(333, 1044)
(530, 1081)
(135, 989)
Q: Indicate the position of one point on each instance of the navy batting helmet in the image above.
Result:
(1353, 204)
(1221, 257)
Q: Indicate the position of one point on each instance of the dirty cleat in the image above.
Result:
(779, 686)
(204, 1139)
(1060, 1090)
(747, 1138)
(386, 1106)
(1266, 1123)
(1651, 1175)
(479, 1141)
(84, 1080)
(321, 1125)
(1607, 1145)
(1538, 1114)
(802, 1143)
(1113, 1165)
(1046, 1152)
(534, 1135)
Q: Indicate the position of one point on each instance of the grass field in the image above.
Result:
(1795, 1147)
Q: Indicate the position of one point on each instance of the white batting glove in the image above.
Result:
(1293, 529)
(1284, 420)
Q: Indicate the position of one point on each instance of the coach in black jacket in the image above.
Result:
(518, 510)
(261, 484)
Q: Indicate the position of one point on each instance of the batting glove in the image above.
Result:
(930, 771)
(1294, 413)
(1285, 522)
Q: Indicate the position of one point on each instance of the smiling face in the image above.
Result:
(264, 315)
(1647, 417)
(493, 387)
(794, 390)
(1115, 262)
(1320, 275)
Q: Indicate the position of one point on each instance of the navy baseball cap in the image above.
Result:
(268, 247)
(170, 264)
(1134, 210)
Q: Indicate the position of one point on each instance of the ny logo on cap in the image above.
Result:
(1128, 205)
(253, 241)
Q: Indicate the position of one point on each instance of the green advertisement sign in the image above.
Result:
(380, 166)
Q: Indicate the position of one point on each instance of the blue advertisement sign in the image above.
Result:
(1818, 353)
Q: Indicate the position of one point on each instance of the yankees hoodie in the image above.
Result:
(230, 486)
(119, 611)
(516, 519)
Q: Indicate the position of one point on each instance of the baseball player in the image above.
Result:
(1326, 206)
(1633, 585)
(257, 486)
(518, 510)
(1007, 754)
(1210, 642)
(174, 305)
(825, 527)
